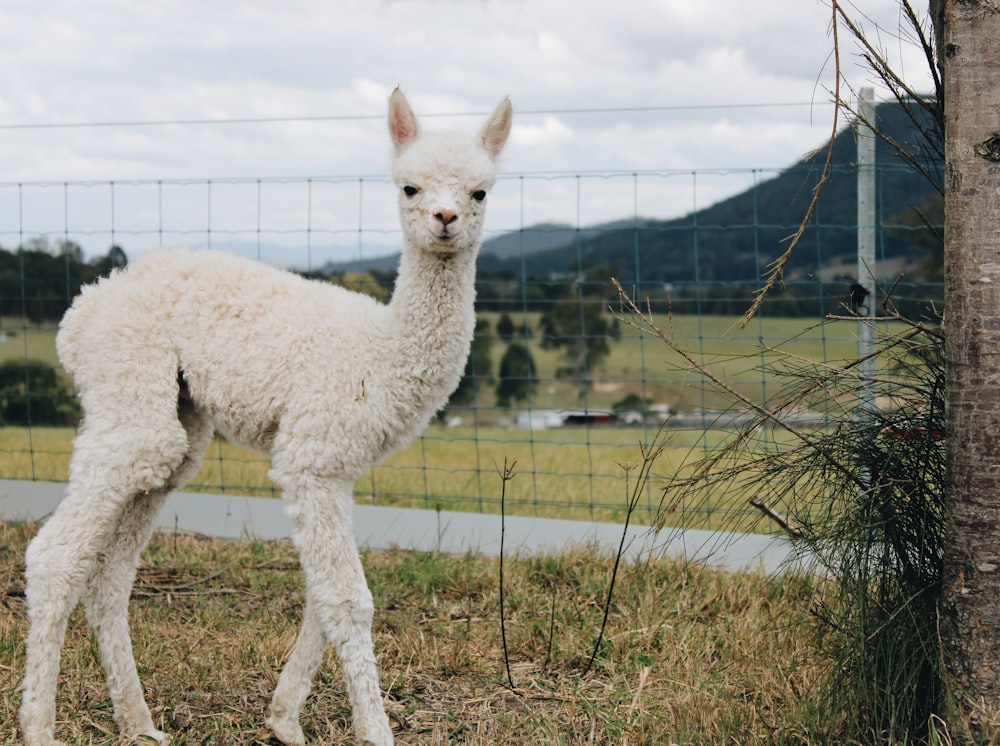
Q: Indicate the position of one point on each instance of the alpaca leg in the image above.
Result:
(110, 467)
(106, 599)
(322, 511)
(296, 679)
(58, 562)
(55, 573)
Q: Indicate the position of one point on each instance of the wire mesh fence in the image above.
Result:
(559, 384)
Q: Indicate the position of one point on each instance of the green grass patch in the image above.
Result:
(566, 473)
(569, 472)
(34, 341)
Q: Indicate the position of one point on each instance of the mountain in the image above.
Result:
(530, 240)
(384, 263)
(734, 241)
(543, 237)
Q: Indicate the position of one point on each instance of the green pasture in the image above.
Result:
(582, 473)
(565, 473)
(19, 340)
(641, 363)
(638, 363)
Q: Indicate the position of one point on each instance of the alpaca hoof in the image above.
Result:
(41, 739)
(288, 732)
(381, 735)
(153, 736)
(380, 742)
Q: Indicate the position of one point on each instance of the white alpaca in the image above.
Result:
(325, 380)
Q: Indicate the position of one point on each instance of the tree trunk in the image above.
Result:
(968, 36)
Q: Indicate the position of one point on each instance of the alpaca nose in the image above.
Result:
(447, 217)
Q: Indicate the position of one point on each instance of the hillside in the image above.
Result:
(545, 237)
(718, 254)
(532, 240)
(734, 240)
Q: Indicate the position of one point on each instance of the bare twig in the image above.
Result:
(777, 267)
(790, 527)
(932, 142)
(649, 457)
(506, 474)
(552, 628)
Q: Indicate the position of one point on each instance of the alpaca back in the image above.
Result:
(259, 348)
(251, 342)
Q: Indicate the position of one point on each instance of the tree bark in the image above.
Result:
(968, 39)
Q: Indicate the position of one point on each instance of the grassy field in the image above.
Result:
(34, 341)
(689, 656)
(566, 472)
(637, 363)
(644, 366)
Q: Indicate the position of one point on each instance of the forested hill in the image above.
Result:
(734, 240)
(40, 282)
(724, 248)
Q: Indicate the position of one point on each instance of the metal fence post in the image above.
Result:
(866, 253)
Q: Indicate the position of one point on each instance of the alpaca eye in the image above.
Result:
(410, 191)
(479, 195)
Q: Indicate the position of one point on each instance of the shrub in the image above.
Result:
(34, 393)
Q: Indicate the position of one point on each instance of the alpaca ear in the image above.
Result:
(403, 125)
(497, 128)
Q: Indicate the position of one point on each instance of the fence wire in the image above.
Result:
(558, 382)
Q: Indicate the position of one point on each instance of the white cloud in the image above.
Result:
(119, 60)
(550, 131)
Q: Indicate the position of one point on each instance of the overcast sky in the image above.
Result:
(596, 85)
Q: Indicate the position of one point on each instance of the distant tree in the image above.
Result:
(478, 368)
(117, 257)
(114, 259)
(39, 281)
(71, 250)
(384, 278)
(38, 244)
(518, 377)
(32, 393)
(505, 327)
(631, 401)
(581, 329)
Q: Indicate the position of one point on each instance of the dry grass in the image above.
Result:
(690, 656)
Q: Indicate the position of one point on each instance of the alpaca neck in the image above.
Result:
(433, 314)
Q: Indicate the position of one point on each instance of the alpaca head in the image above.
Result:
(444, 179)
